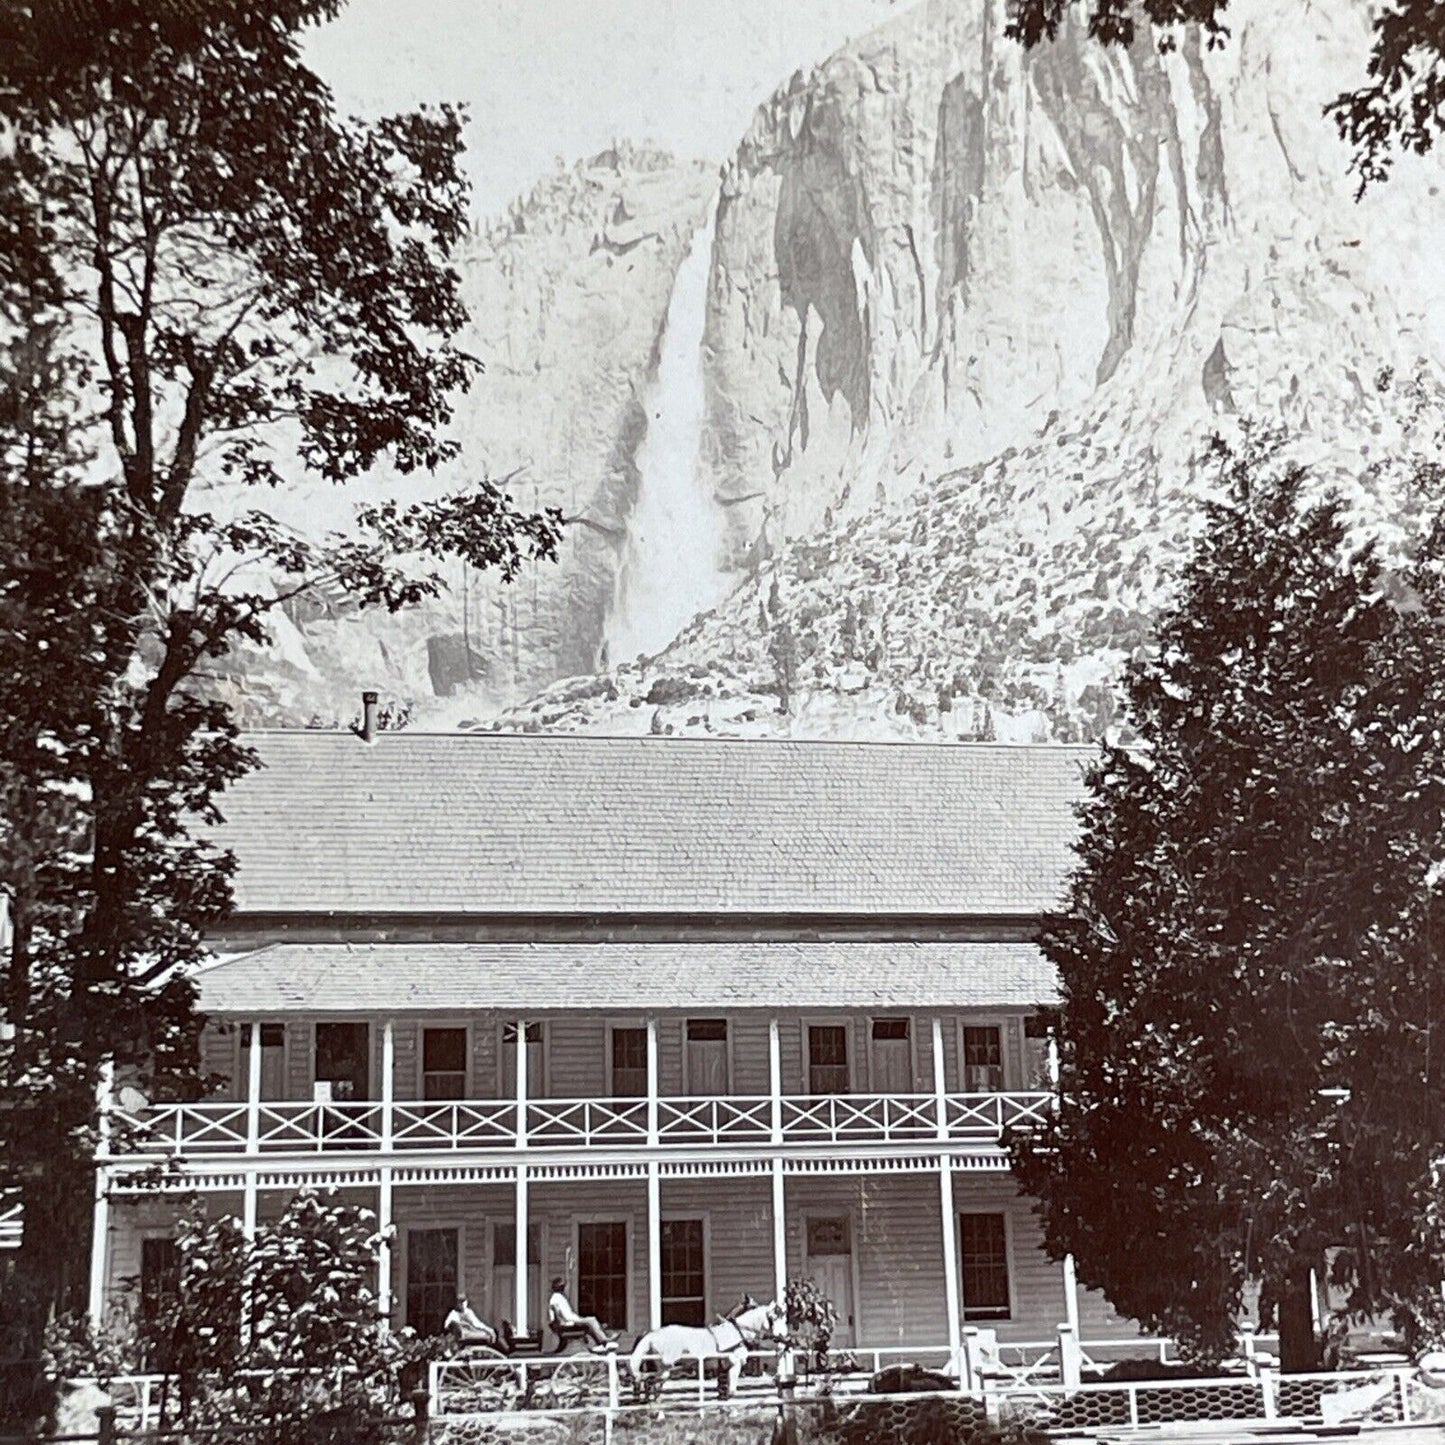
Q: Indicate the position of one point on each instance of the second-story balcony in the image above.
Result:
(211, 1128)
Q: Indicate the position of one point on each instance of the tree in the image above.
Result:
(276, 1334)
(204, 271)
(1400, 108)
(1250, 1068)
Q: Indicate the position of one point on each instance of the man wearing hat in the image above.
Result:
(562, 1315)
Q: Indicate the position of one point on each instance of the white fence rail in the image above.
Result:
(464, 1387)
(210, 1127)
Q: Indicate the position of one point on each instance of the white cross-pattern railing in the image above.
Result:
(977, 1114)
(210, 1128)
(715, 1119)
(853, 1118)
(586, 1122)
(458, 1124)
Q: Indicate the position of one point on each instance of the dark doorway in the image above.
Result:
(431, 1278)
(342, 1060)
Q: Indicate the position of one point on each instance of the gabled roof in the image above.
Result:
(486, 824)
(535, 978)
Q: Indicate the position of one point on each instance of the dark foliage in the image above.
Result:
(204, 271)
(1250, 1074)
(1401, 107)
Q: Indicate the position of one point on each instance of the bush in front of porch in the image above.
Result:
(275, 1336)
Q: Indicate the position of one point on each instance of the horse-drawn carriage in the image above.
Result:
(514, 1373)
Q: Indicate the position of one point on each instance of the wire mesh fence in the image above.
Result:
(760, 1414)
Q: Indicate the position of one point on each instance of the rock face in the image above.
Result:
(568, 295)
(969, 313)
(972, 312)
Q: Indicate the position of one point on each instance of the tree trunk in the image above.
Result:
(45, 1279)
(1299, 1349)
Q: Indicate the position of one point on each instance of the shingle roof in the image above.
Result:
(535, 978)
(486, 824)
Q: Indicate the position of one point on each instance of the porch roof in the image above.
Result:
(528, 979)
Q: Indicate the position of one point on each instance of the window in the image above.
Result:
(629, 1063)
(160, 1268)
(982, 1059)
(444, 1063)
(983, 1249)
(684, 1269)
(827, 1059)
(707, 1056)
(828, 1236)
(431, 1278)
(342, 1059)
(602, 1272)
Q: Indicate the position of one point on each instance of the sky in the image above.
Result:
(562, 79)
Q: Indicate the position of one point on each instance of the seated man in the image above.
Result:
(564, 1318)
(463, 1323)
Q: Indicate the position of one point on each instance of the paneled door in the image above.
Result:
(892, 1060)
(830, 1266)
(707, 1057)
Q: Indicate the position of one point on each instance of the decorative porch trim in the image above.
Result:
(714, 1168)
(558, 1173)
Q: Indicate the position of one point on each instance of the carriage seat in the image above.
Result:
(564, 1333)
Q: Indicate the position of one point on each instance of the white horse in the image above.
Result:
(730, 1339)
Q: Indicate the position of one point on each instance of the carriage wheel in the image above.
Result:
(482, 1380)
(577, 1380)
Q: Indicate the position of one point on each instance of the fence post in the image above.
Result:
(105, 1424)
(420, 1409)
(1266, 1394)
(614, 1398)
(972, 1361)
(1070, 1358)
(1246, 1351)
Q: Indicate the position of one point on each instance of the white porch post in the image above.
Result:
(952, 1307)
(775, 1116)
(654, 1188)
(520, 1302)
(249, 1191)
(1071, 1294)
(383, 1263)
(253, 1089)
(100, 1221)
(388, 1081)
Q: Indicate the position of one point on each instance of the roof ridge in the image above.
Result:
(648, 739)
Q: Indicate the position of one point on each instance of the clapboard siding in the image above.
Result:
(895, 1221)
(576, 1054)
(219, 1058)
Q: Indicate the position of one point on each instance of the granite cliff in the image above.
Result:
(972, 312)
(938, 370)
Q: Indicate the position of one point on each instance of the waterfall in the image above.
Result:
(671, 569)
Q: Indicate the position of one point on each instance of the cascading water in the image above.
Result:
(672, 567)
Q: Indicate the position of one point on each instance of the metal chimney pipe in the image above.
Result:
(368, 717)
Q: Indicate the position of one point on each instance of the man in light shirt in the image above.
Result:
(463, 1322)
(560, 1312)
